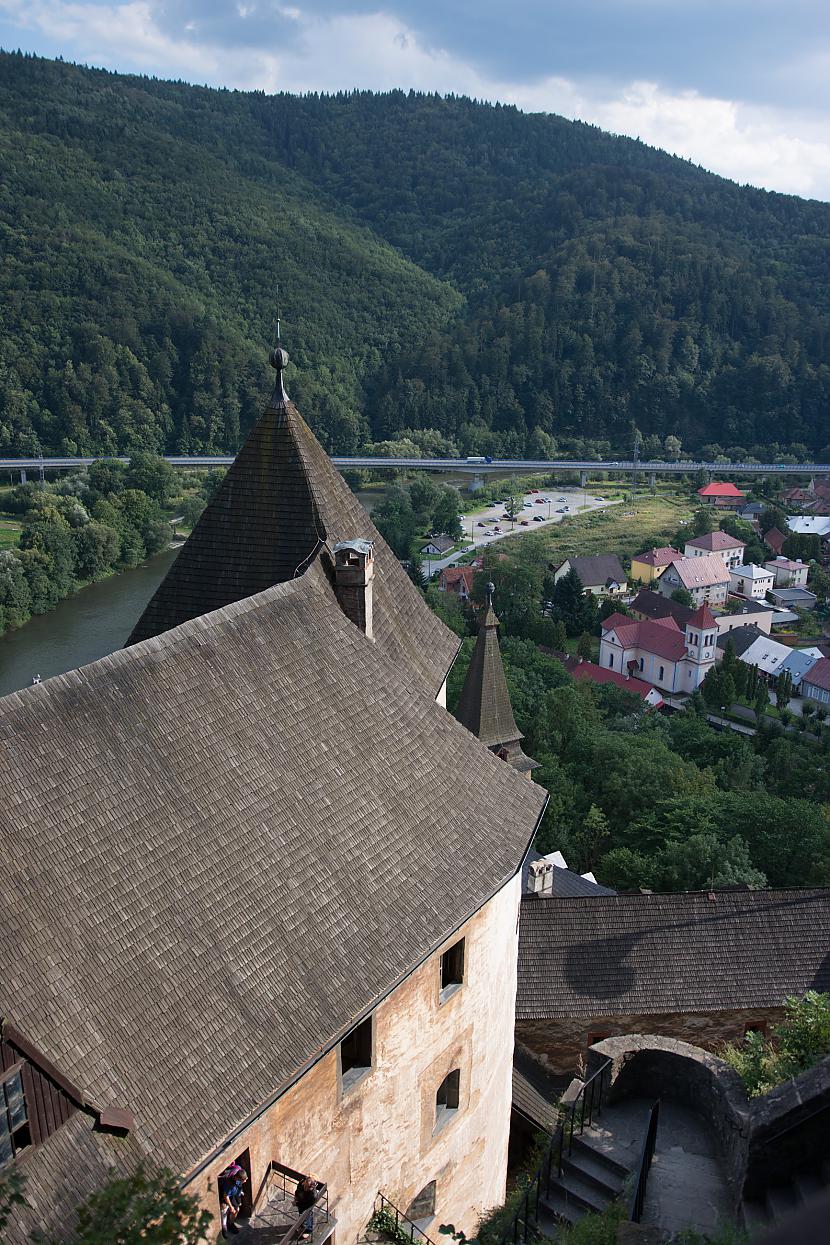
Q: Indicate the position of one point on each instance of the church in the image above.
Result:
(260, 891)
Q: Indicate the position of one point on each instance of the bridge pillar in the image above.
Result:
(652, 480)
(583, 479)
(477, 482)
(22, 475)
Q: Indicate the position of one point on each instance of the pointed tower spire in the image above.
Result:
(278, 358)
(484, 705)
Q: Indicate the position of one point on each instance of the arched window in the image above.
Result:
(642, 664)
(610, 659)
(660, 674)
(446, 1099)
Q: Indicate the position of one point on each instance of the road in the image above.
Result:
(578, 502)
(465, 464)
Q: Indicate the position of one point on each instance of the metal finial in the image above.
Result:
(278, 358)
(491, 588)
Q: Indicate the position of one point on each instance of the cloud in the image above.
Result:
(334, 45)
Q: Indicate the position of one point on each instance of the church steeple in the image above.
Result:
(484, 705)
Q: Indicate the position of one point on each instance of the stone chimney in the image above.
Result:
(540, 878)
(354, 573)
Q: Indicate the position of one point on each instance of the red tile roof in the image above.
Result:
(657, 557)
(819, 676)
(703, 572)
(653, 637)
(775, 539)
(458, 574)
(720, 489)
(715, 541)
(616, 620)
(598, 674)
(702, 617)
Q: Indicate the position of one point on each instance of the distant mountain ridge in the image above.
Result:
(517, 283)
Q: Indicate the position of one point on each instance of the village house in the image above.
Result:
(767, 655)
(794, 598)
(659, 652)
(740, 612)
(602, 575)
(705, 578)
(590, 672)
(722, 496)
(458, 580)
(751, 581)
(728, 548)
(704, 967)
(774, 540)
(815, 685)
(230, 930)
(809, 525)
(788, 573)
(438, 546)
(650, 565)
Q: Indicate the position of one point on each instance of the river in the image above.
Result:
(82, 628)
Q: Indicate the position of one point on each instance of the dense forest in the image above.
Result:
(457, 275)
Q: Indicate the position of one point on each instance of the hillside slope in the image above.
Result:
(516, 282)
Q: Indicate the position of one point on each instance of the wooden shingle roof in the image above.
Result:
(484, 703)
(687, 952)
(280, 501)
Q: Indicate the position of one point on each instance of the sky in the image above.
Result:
(741, 87)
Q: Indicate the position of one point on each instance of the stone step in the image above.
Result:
(555, 1209)
(581, 1147)
(574, 1189)
(582, 1167)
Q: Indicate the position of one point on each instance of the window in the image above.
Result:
(642, 663)
(446, 1100)
(660, 673)
(756, 1026)
(610, 659)
(422, 1205)
(356, 1054)
(452, 970)
(14, 1118)
(598, 1035)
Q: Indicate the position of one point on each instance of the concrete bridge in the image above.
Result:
(649, 468)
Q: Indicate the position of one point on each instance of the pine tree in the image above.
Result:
(585, 647)
(560, 636)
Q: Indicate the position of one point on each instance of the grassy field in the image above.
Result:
(625, 529)
(9, 533)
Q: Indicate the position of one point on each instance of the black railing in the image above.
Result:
(638, 1197)
(393, 1222)
(574, 1118)
(279, 1186)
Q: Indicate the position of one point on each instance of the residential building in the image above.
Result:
(809, 525)
(704, 967)
(741, 638)
(660, 653)
(751, 581)
(767, 655)
(705, 578)
(739, 612)
(650, 565)
(438, 546)
(788, 573)
(815, 498)
(774, 539)
(229, 928)
(457, 579)
(815, 685)
(728, 548)
(751, 512)
(588, 671)
(799, 663)
(794, 598)
(653, 605)
(722, 495)
(602, 575)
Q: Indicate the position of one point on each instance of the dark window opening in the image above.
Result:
(356, 1053)
(422, 1205)
(756, 1026)
(452, 969)
(598, 1036)
(446, 1100)
(15, 1134)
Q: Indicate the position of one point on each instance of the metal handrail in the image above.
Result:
(281, 1176)
(585, 1107)
(644, 1166)
(384, 1206)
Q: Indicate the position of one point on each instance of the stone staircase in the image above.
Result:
(589, 1181)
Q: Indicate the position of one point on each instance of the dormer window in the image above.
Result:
(14, 1117)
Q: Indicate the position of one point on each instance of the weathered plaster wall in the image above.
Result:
(379, 1136)
(562, 1044)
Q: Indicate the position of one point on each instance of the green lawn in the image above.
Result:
(9, 533)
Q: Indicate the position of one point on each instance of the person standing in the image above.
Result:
(304, 1199)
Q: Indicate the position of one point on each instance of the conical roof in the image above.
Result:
(702, 617)
(484, 705)
(277, 514)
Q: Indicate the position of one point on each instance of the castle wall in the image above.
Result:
(563, 1044)
(380, 1135)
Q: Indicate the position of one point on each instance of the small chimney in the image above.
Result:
(540, 878)
(354, 573)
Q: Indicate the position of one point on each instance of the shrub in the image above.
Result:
(799, 1042)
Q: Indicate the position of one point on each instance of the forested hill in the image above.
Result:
(517, 283)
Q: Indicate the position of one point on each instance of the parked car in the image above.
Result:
(496, 529)
(533, 490)
(540, 501)
(525, 522)
(537, 518)
(481, 524)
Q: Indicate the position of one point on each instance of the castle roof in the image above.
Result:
(686, 952)
(239, 839)
(280, 503)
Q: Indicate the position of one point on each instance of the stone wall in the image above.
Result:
(563, 1044)
(790, 1124)
(380, 1136)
